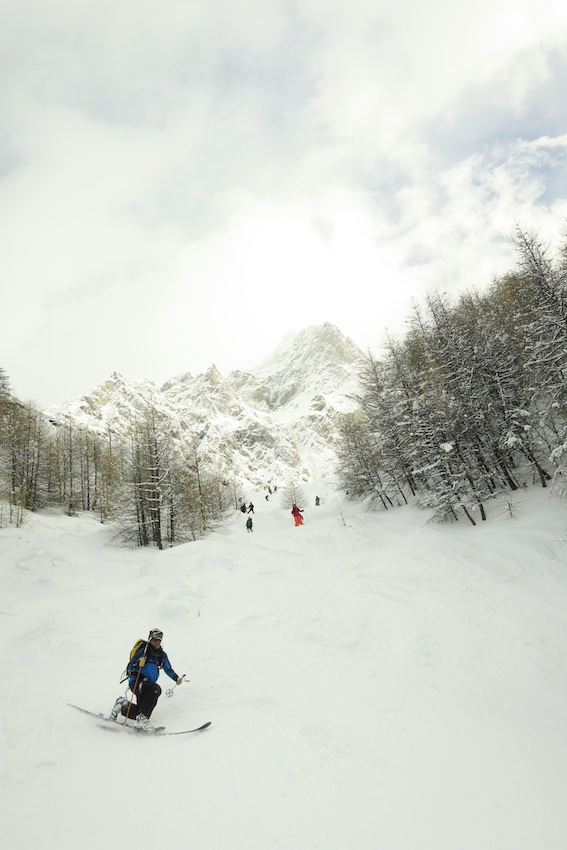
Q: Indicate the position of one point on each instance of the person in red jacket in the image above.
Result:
(296, 513)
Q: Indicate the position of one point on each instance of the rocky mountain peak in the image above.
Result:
(280, 418)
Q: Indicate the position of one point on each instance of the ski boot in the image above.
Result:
(117, 707)
(143, 724)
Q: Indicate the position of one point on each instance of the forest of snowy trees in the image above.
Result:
(151, 482)
(472, 401)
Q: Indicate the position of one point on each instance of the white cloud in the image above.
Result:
(205, 177)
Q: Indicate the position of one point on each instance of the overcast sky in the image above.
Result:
(183, 182)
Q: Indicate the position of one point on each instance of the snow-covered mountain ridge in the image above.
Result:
(276, 420)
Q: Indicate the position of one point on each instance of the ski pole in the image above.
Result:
(169, 692)
(136, 684)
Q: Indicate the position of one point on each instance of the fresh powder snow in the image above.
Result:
(373, 681)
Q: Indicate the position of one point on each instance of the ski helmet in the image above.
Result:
(155, 633)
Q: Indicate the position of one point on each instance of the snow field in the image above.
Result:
(381, 682)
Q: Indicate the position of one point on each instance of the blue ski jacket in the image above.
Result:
(156, 660)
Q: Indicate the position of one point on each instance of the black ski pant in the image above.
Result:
(147, 694)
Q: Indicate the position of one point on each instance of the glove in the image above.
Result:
(179, 680)
(141, 662)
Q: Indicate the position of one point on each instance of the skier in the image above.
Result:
(251, 508)
(296, 513)
(249, 523)
(143, 669)
(243, 508)
(317, 502)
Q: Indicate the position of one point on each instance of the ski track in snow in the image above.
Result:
(373, 682)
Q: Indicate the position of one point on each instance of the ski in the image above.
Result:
(116, 725)
(135, 730)
(157, 730)
(98, 714)
(186, 731)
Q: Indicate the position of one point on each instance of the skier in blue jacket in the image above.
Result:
(144, 669)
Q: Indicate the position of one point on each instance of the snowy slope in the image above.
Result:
(373, 681)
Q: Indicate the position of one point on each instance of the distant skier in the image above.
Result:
(317, 502)
(250, 508)
(267, 498)
(143, 670)
(296, 513)
(243, 508)
(249, 523)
